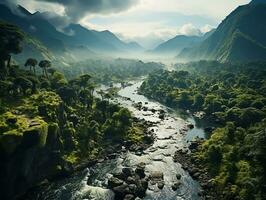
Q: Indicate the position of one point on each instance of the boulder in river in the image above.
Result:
(158, 158)
(162, 116)
(114, 182)
(120, 175)
(140, 170)
(156, 176)
(128, 171)
(129, 197)
(160, 185)
(190, 126)
(178, 176)
(129, 183)
(131, 180)
(121, 191)
(176, 185)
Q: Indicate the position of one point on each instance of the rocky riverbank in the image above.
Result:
(111, 151)
(196, 170)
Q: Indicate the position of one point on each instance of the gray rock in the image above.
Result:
(131, 180)
(190, 126)
(121, 191)
(178, 176)
(176, 185)
(156, 176)
(127, 171)
(160, 185)
(132, 188)
(114, 182)
(129, 197)
(140, 170)
(120, 175)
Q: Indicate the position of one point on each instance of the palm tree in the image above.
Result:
(44, 64)
(31, 62)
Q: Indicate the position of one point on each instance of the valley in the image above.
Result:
(131, 100)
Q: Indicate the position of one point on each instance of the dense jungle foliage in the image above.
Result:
(48, 122)
(110, 70)
(234, 97)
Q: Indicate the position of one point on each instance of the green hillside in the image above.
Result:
(240, 37)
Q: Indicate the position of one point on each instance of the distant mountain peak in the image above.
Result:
(258, 2)
(24, 10)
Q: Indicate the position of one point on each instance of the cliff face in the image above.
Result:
(30, 149)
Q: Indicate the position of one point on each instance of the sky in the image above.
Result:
(148, 22)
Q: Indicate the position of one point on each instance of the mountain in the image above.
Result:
(239, 38)
(34, 25)
(33, 48)
(178, 43)
(258, 2)
(74, 41)
(108, 36)
(98, 40)
(83, 37)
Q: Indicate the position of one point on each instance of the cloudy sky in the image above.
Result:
(146, 21)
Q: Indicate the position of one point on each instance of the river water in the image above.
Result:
(157, 158)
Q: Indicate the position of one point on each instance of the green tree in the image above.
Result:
(45, 64)
(198, 101)
(31, 62)
(10, 37)
(23, 84)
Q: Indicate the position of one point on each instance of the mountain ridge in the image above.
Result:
(243, 28)
(61, 43)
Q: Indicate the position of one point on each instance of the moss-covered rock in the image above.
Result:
(36, 135)
(9, 143)
(17, 130)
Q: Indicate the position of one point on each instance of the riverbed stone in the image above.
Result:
(129, 197)
(158, 158)
(132, 188)
(121, 191)
(114, 182)
(128, 171)
(178, 176)
(120, 175)
(142, 186)
(160, 185)
(131, 180)
(190, 126)
(140, 170)
(156, 176)
(176, 185)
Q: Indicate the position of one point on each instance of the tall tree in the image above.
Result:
(44, 64)
(10, 37)
(31, 62)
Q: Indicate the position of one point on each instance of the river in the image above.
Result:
(157, 158)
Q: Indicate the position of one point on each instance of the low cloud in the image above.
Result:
(189, 29)
(59, 21)
(206, 28)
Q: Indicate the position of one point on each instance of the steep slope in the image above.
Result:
(177, 44)
(180, 42)
(33, 48)
(81, 41)
(258, 2)
(83, 36)
(35, 26)
(111, 38)
(240, 37)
